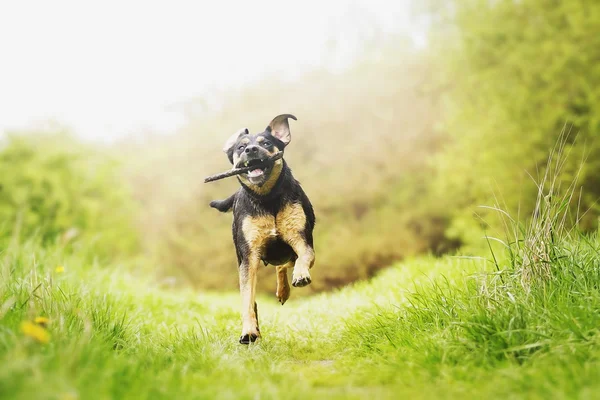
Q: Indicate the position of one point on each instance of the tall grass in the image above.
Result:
(531, 317)
(534, 245)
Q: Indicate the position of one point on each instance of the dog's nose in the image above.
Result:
(251, 149)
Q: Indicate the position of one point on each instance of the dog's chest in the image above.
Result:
(287, 224)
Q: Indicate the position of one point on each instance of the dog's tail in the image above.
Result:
(223, 205)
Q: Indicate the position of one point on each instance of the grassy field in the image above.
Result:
(118, 281)
(426, 328)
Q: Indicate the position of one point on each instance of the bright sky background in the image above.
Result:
(109, 68)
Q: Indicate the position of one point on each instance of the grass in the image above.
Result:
(427, 328)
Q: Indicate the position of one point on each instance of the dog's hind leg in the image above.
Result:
(283, 286)
(248, 270)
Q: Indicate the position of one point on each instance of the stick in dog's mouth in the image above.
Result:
(252, 165)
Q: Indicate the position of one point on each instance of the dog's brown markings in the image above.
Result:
(275, 172)
(291, 222)
(257, 231)
(247, 290)
(260, 139)
(283, 286)
(268, 185)
(236, 157)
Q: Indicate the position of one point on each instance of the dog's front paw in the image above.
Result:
(249, 335)
(301, 281)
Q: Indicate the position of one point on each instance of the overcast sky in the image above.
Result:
(108, 68)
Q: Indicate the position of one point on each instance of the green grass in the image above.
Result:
(425, 328)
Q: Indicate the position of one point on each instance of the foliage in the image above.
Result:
(516, 74)
(396, 152)
(411, 144)
(61, 191)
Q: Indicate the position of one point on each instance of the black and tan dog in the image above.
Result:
(273, 219)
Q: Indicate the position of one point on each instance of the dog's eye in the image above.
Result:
(241, 147)
(267, 143)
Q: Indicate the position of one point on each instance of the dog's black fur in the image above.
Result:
(273, 219)
(286, 190)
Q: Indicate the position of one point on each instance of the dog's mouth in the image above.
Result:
(258, 170)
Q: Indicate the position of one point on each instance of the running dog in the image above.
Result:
(273, 219)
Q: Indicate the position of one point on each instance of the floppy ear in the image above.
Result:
(233, 138)
(280, 129)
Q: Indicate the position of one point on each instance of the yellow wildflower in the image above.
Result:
(60, 269)
(34, 331)
(43, 321)
(69, 396)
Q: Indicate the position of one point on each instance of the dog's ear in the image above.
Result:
(280, 129)
(234, 138)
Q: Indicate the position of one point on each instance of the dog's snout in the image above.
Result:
(251, 149)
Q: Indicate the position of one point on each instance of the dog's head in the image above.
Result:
(245, 149)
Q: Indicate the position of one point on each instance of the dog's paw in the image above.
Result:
(248, 338)
(301, 281)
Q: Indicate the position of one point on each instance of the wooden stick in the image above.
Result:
(237, 171)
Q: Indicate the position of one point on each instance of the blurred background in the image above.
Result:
(411, 114)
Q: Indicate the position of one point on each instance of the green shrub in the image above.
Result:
(62, 191)
(515, 74)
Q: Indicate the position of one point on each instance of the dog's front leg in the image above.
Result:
(291, 223)
(305, 261)
(248, 270)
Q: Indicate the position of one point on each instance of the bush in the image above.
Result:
(515, 74)
(61, 191)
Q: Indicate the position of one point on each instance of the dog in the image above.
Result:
(273, 219)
